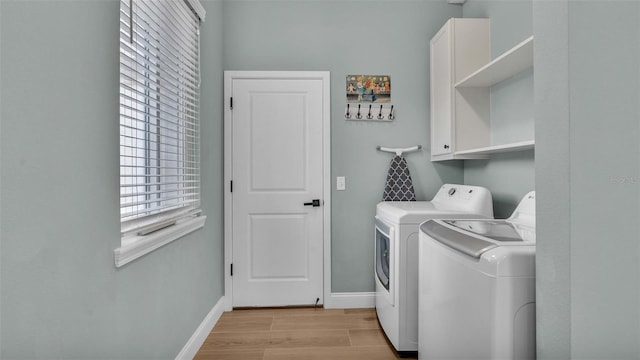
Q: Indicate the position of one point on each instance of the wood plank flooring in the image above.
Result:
(297, 334)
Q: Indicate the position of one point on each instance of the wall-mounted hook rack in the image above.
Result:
(373, 112)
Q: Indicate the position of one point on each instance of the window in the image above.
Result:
(159, 124)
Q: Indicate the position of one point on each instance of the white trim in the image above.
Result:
(228, 169)
(137, 246)
(228, 198)
(198, 338)
(351, 300)
(326, 174)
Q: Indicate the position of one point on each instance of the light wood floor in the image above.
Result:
(297, 334)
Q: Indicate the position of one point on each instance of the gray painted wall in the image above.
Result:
(604, 78)
(587, 171)
(61, 295)
(509, 176)
(352, 37)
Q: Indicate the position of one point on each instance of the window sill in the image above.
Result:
(136, 246)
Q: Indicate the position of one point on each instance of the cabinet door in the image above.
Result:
(441, 91)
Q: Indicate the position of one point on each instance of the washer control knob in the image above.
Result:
(452, 191)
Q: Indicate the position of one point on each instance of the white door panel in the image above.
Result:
(277, 167)
(269, 232)
(278, 142)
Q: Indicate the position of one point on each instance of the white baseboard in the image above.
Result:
(197, 339)
(350, 300)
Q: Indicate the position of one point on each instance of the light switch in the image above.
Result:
(341, 183)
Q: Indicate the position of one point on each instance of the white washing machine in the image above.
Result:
(396, 254)
(477, 287)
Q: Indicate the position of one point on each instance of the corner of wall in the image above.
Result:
(553, 253)
(198, 338)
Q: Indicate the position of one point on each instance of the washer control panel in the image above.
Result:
(467, 197)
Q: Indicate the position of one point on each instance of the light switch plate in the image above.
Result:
(341, 183)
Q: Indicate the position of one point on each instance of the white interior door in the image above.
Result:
(277, 165)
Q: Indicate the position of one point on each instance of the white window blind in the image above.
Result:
(159, 113)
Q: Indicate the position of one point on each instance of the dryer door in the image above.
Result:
(384, 235)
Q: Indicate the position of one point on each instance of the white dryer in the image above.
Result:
(396, 254)
(477, 287)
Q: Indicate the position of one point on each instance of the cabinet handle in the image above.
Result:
(446, 146)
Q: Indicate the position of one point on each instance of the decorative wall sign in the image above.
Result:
(363, 91)
(368, 88)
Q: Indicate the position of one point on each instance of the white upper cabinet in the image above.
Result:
(461, 47)
(462, 74)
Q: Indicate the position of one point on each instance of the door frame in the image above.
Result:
(229, 76)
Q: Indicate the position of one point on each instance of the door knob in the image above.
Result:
(314, 203)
